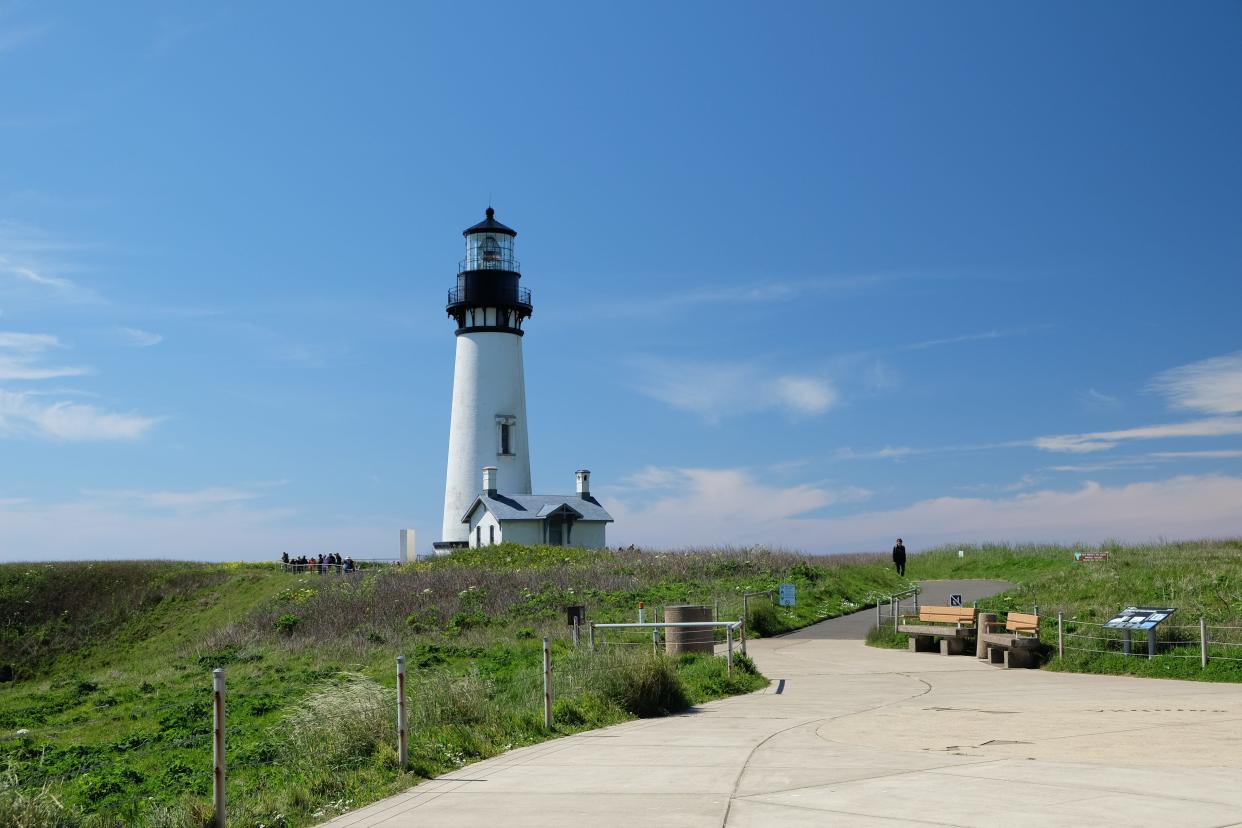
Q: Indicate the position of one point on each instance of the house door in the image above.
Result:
(555, 531)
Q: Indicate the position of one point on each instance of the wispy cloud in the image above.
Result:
(996, 333)
(183, 501)
(1212, 386)
(1104, 440)
(886, 453)
(20, 355)
(1097, 400)
(140, 338)
(730, 506)
(207, 524)
(718, 390)
(1214, 454)
(757, 292)
(24, 414)
(34, 260)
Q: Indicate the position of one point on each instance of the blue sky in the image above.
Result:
(814, 275)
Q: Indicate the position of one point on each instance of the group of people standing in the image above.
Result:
(323, 564)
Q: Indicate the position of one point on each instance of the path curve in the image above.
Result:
(848, 741)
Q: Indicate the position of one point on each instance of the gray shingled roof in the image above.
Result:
(537, 507)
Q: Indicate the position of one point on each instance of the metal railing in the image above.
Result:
(489, 295)
(655, 626)
(895, 602)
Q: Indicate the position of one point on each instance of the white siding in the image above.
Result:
(528, 532)
(483, 521)
(589, 534)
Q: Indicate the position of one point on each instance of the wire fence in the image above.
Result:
(1204, 642)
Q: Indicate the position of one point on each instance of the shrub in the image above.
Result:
(286, 623)
(642, 685)
(765, 621)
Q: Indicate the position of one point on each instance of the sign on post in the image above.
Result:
(786, 598)
(1090, 556)
(955, 600)
(1140, 618)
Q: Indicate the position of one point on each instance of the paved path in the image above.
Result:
(848, 735)
(931, 593)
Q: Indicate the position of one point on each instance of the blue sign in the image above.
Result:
(787, 595)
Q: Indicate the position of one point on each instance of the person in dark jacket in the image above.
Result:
(899, 558)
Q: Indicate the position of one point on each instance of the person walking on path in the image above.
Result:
(899, 558)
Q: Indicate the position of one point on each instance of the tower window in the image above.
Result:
(505, 436)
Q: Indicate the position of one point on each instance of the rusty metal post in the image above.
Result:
(403, 735)
(217, 754)
(547, 685)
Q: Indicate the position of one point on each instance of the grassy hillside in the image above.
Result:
(1200, 578)
(105, 669)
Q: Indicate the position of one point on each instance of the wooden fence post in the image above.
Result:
(729, 648)
(217, 754)
(1202, 642)
(575, 632)
(403, 751)
(1061, 635)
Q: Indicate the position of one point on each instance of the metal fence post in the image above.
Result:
(1061, 635)
(592, 631)
(892, 602)
(745, 617)
(547, 685)
(877, 613)
(655, 642)
(729, 648)
(403, 751)
(217, 753)
(1202, 642)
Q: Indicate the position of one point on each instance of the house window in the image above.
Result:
(478, 536)
(491, 535)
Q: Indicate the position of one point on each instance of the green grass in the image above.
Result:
(1200, 578)
(107, 667)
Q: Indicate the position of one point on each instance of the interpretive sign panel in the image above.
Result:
(1140, 618)
(1091, 556)
(786, 598)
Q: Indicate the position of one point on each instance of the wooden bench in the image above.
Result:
(1014, 643)
(954, 626)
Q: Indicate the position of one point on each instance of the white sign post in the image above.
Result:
(786, 598)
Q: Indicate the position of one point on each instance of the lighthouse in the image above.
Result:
(488, 426)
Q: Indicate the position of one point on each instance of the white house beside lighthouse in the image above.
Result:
(488, 429)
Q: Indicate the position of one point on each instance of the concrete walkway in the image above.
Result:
(853, 736)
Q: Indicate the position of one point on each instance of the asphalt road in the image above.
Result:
(855, 626)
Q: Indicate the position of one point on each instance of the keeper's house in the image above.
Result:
(552, 520)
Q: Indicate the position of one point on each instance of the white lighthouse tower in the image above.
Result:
(488, 426)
